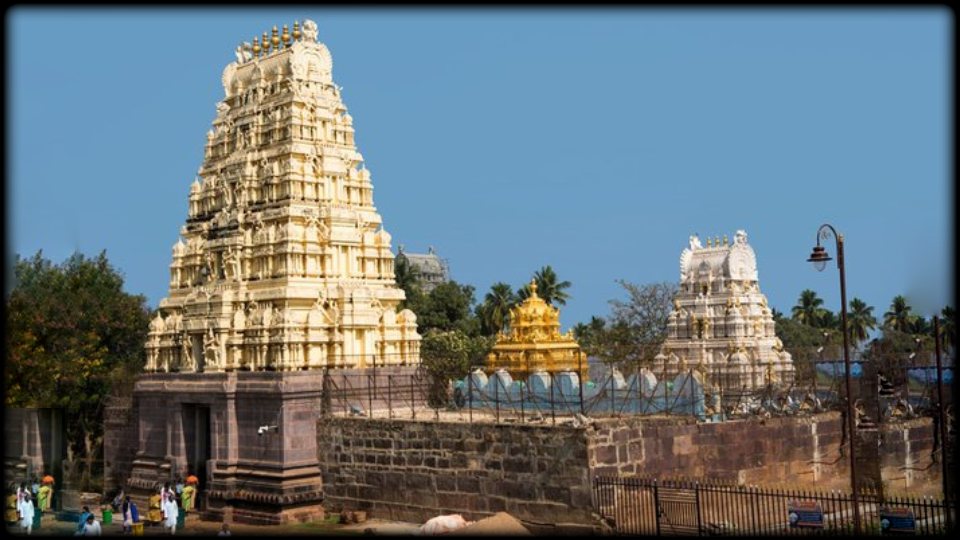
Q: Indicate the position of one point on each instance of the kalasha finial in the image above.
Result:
(285, 36)
(256, 46)
(725, 242)
(275, 40)
(296, 30)
(533, 288)
(266, 44)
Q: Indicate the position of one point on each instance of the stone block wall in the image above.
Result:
(415, 470)
(794, 450)
(120, 442)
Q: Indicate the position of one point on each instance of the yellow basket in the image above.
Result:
(138, 529)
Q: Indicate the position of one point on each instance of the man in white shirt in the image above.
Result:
(26, 513)
(170, 513)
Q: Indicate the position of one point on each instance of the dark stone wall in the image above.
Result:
(412, 471)
(415, 470)
(120, 442)
(758, 451)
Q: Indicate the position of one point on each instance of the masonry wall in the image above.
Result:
(414, 470)
(120, 442)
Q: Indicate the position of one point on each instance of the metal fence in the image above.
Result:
(558, 397)
(642, 506)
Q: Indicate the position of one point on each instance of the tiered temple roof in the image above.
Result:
(534, 342)
(283, 263)
(721, 324)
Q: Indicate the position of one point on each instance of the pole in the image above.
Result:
(580, 377)
(943, 424)
(851, 426)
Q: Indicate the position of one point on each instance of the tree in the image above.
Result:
(590, 336)
(808, 310)
(494, 312)
(448, 355)
(449, 306)
(548, 288)
(898, 318)
(638, 326)
(860, 321)
(829, 321)
(407, 277)
(920, 325)
(948, 332)
(72, 333)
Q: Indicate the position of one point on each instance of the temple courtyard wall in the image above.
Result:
(414, 470)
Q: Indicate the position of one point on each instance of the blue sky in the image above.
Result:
(596, 141)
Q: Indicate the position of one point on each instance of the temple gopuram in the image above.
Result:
(283, 263)
(282, 272)
(721, 325)
(534, 342)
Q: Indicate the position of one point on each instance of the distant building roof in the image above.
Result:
(432, 269)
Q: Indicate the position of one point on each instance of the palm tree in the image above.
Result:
(406, 275)
(947, 330)
(494, 312)
(898, 318)
(921, 326)
(808, 308)
(547, 287)
(860, 321)
(828, 320)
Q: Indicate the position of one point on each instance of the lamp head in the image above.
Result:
(819, 258)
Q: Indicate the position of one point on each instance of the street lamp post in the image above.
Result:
(819, 258)
(942, 422)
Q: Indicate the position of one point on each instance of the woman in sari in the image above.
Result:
(45, 494)
(153, 515)
(188, 497)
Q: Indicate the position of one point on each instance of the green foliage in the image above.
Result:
(448, 355)
(808, 310)
(549, 288)
(899, 316)
(860, 321)
(948, 332)
(631, 336)
(72, 335)
(407, 276)
(802, 340)
(447, 307)
(494, 312)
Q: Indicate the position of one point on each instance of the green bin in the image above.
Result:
(181, 517)
(37, 516)
(107, 516)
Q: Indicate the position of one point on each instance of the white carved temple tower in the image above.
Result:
(721, 324)
(283, 274)
(283, 263)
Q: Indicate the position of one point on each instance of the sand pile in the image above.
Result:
(500, 523)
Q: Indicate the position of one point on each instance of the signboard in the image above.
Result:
(805, 515)
(897, 520)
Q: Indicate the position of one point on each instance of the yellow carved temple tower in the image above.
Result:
(534, 342)
(283, 263)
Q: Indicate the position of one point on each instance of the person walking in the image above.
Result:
(26, 513)
(171, 512)
(126, 515)
(92, 527)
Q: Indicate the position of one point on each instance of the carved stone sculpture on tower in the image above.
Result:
(281, 213)
(721, 322)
